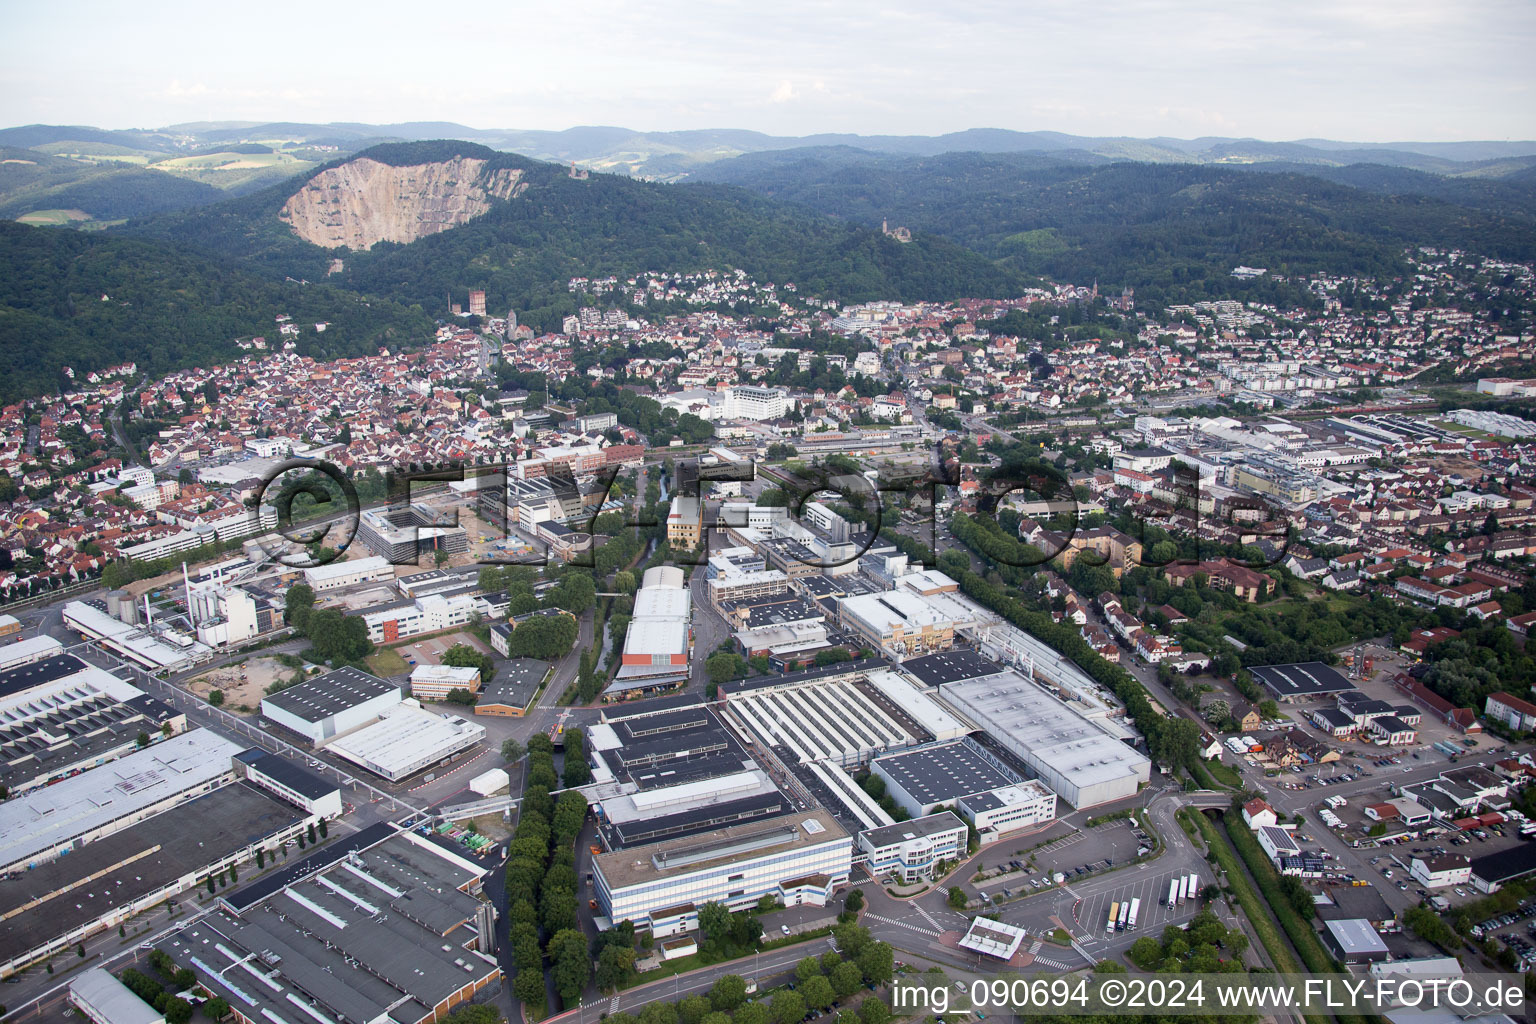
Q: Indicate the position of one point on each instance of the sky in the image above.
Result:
(1355, 70)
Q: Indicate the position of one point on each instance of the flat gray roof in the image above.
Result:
(137, 861)
(942, 773)
(320, 697)
(393, 907)
(34, 823)
(927, 825)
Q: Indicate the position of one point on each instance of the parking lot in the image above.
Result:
(1517, 930)
(1114, 841)
(1153, 914)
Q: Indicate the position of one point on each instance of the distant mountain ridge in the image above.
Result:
(673, 154)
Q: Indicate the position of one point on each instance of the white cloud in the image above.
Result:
(783, 92)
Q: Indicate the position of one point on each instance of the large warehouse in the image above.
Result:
(47, 910)
(393, 932)
(799, 858)
(1310, 681)
(406, 739)
(1076, 757)
(927, 778)
(337, 574)
(74, 721)
(41, 825)
(332, 703)
(844, 717)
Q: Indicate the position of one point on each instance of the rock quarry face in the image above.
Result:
(363, 201)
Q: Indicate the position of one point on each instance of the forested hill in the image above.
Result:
(1165, 229)
(92, 300)
(524, 249)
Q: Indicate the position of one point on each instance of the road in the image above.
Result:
(1081, 907)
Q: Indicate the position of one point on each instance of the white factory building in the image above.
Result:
(155, 649)
(25, 652)
(430, 613)
(799, 858)
(1077, 757)
(435, 682)
(910, 850)
(906, 622)
(45, 823)
(406, 739)
(966, 776)
(997, 812)
(329, 704)
(837, 716)
(338, 574)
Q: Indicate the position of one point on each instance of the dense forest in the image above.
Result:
(183, 283)
(89, 301)
(524, 250)
(34, 181)
(1171, 231)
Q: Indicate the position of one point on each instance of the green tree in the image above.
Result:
(722, 666)
(818, 992)
(846, 978)
(614, 966)
(216, 698)
(728, 992)
(570, 967)
(298, 602)
(714, 919)
(787, 1008)
(854, 901)
(177, 1010)
(874, 1011)
(878, 963)
(512, 749)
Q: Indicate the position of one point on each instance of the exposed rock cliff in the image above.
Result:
(363, 201)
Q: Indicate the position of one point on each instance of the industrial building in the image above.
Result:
(689, 808)
(845, 716)
(335, 702)
(401, 535)
(39, 826)
(33, 648)
(155, 648)
(406, 739)
(904, 622)
(513, 688)
(659, 639)
(435, 682)
(62, 716)
(47, 909)
(926, 778)
(993, 938)
(1079, 758)
(299, 786)
(391, 932)
(430, 613)
(102, 999)
(1291, 683)
(348, 573)
(909, 851)
(798, 858)
(665, 742)
(997, 812)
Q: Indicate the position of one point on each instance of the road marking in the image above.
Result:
(904, 924)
